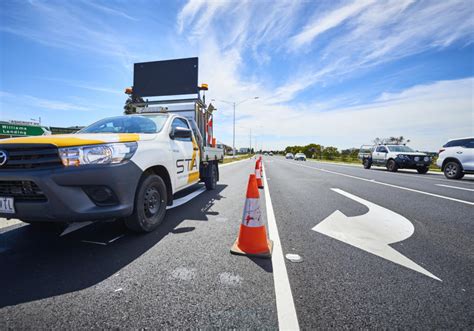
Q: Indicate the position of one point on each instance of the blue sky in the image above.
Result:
(331, 72)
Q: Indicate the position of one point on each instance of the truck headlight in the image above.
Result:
(417, 158)
(97, 154)
(403, 157)
(427, 158)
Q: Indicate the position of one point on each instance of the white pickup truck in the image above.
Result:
(127, 167)
(394, 157)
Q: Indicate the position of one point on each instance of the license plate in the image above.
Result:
(420, 164)
(6, 205)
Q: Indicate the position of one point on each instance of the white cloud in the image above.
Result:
(29, 101)
(71, 27)
(111, 11)
(363, 29)
(367, 34)
(320, 25)
(429, 115)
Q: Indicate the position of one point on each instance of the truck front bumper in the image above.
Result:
(72, 194)
(412, 164)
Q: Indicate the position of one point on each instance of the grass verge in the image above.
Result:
(237, 158)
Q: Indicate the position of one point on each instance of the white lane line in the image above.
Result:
(399, 173)
(390, 185)
(94, 242)
(187, 198)
(116, 238)
(287, 318)
(4, 223)
(456, 187)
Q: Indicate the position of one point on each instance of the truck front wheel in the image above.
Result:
(392, 166)
(367, 164)
(150, 205)
(211, 180)
(422, 170)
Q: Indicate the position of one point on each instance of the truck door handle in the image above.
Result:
(459, 152)
(195, 149)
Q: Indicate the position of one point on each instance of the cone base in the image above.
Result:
(266, 255)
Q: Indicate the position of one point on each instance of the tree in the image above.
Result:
(377, 141)
(350, 153)
(391, 140)
(330, 153)
(312, 150)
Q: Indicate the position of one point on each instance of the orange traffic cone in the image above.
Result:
(258, 174)
(252, 240)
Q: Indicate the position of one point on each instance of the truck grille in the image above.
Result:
(30, 156)
(21, 190)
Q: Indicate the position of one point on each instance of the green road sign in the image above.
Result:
(21, 130)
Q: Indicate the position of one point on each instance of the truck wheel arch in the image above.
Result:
(163, 173)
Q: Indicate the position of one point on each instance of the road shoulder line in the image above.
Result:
(456, 187)
(287, 318)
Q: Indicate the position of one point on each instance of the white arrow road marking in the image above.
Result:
(372, 232)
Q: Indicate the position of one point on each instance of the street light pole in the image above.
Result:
(234, 104)
(233, 136)
(250, 150)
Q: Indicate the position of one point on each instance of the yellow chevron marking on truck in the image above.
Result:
(72, 140)
(127, 137)
(193, 176)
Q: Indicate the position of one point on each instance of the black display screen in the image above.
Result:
(170, 77)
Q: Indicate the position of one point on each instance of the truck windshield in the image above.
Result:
(127, 124)
(400, 148)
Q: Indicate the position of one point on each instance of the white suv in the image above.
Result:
(456, 158)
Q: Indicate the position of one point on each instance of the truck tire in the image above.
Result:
(422, 170)
(211, 180)
(367, 164)
(453, 170)
(150, 205)
(392, 166)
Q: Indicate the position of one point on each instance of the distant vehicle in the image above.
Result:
(394, 157)
(271, 153)
(289, 156)
(265, 153)
(300, 157)
(456, 158)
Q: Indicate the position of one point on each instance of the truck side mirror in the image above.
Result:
(180, 132)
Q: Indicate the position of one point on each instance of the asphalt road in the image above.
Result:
(183, 276)
(180, 276)
(341, 286)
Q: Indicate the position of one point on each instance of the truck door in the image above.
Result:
(379, 155)
(185, 155)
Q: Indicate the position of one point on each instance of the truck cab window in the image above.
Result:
(181, 123)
